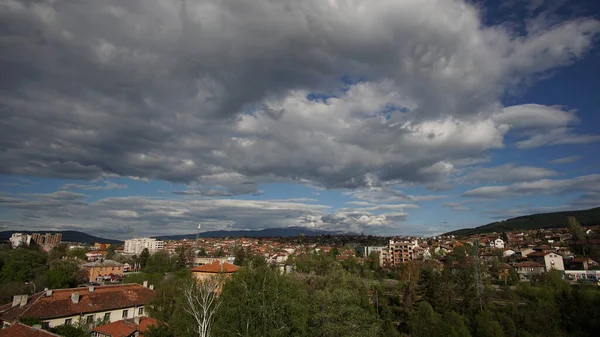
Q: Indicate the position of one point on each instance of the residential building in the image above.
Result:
(528, 269)
(399, 252)
(18, 239)
(103, 269)
(136, 246)
(131, 327)
(69, 306)
(498, 243)
(213, 269)
(548, 259)
(22, 330)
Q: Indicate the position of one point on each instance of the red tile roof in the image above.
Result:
(126, 327)
(22, 330)
(59, 304)
(216, 267)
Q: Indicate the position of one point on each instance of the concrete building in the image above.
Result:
(18, 239)
(548, 259)
(399, 252)
(498, 243)
(136, 246)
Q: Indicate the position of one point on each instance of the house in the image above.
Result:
(22, 330)
(103, 269)
(528, 269)
(498, 243)
(131, 327)
(213, 269)
(548, 259)
(67, 306)
(582, 263)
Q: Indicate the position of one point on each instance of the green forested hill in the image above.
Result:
(588, 217)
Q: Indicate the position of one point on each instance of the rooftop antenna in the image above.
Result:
(197, 235)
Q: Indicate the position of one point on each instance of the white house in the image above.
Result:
(498, 244)
(548, 259)
(68, 306)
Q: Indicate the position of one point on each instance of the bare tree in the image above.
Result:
(202, 301)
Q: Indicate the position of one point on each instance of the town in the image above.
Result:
(114, 286)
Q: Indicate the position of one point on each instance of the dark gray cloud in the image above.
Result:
(122, 217)
(214, 93)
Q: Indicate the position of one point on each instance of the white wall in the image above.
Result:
(554, 261)
(115, 315)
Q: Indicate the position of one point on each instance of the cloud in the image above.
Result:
(123, 217)
(543, 125)
(217, 94)
(387, 195)
(108, 185)
(542, 186)
(507, 173)
(456, 206)
(565, 160)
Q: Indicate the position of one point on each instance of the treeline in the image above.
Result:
(28, 269)
(331, 298)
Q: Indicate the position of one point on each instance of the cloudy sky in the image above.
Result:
(407, 117)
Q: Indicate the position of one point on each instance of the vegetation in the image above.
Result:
(589, 217)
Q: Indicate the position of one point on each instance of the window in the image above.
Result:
(124, 313)
(89, 319)
(107, 316)
(140, 311)
(68, 321)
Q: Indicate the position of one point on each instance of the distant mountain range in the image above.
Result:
(269, 232)
(76, 236)
(68, 236)
(588, 217)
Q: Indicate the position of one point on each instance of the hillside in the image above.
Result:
(67, 236)
(269, 232)
(588, 217)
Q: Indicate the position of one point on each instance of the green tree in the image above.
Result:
(258, 301)
(68, 330)
(182, 258)
(78, 253)
(143, 258)
(23, 264)
(160, 330)
(63, 274)
(202, 252)
(240, 256)
(575, 228)
(486, 326)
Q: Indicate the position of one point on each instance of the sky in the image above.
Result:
(407, 117)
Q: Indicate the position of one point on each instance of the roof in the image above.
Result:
(538, 254)
(126, 327)
(216, 267)
(22, 330)
(59, 304)
(103, 263)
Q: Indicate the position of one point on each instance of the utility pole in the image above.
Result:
(478, 274)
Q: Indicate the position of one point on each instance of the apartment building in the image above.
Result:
(137, 245)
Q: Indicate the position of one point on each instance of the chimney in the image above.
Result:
(49, 292)
(75, 297)
(23, 300)
(146, 284)
(16, 300)
(151, 287)
(91, 289)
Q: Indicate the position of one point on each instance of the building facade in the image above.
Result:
(136, 246)
(69, 306)
(103, 269)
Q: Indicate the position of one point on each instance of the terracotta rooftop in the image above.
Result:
(103, 263)
(126, 327)
(22, 330)
(216, 267)
(60, 303)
